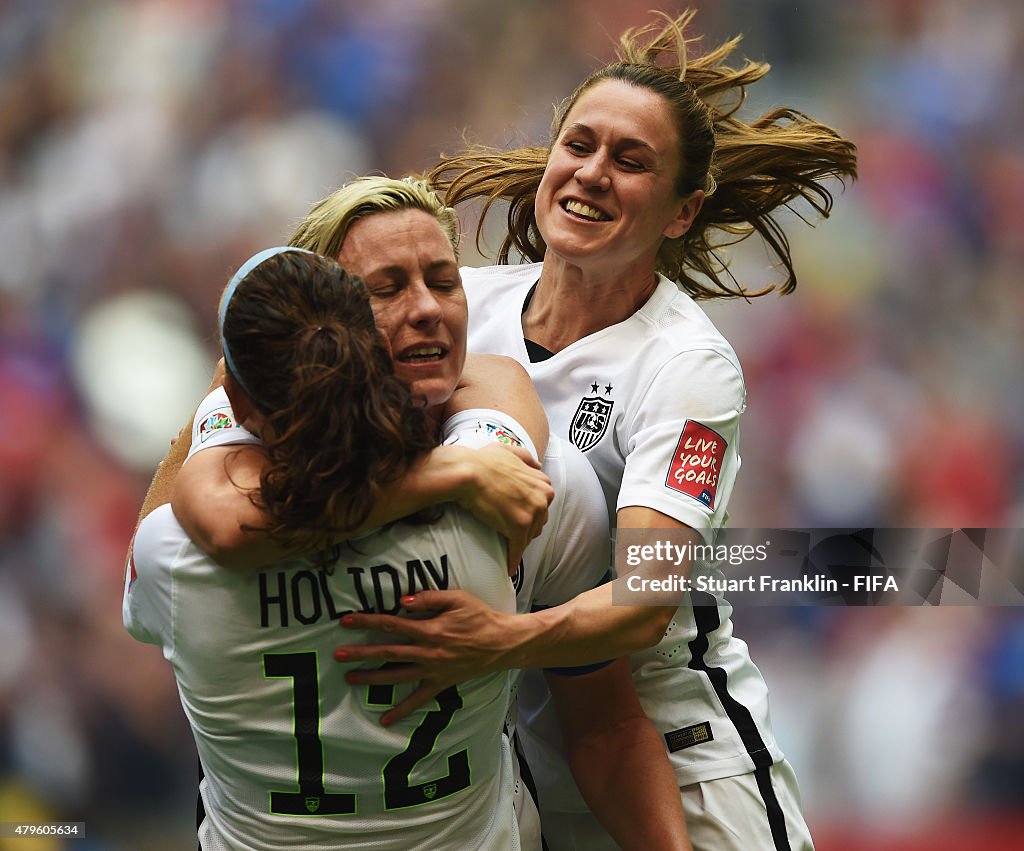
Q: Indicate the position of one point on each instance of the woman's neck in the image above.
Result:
(570, 304)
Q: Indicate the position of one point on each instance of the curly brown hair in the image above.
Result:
(747, 169)
(302, 338)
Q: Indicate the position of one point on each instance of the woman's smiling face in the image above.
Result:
(608, 195)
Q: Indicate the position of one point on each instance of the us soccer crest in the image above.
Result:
(590, 422)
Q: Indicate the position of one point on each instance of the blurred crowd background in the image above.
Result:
(148, 146)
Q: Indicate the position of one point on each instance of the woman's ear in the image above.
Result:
(684, 218)
(246, 413)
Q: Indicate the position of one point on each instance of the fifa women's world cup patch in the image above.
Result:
(503, 435)
(480, 432)
(216, 420)
(697, 463)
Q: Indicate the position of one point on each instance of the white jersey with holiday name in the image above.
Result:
(654, 403)
(570, 556)
(293, 756)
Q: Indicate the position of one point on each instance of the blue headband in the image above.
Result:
(239, 276)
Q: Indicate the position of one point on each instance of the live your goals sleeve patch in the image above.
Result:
(697, 463)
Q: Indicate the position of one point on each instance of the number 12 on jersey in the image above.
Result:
(312, 799)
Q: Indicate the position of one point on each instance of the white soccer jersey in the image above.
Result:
(293, 756)
(654, 403)
(570, 556)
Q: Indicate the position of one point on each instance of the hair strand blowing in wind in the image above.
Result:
(748, 169)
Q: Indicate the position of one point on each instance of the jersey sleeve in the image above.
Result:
(146, 608)
(683, 451)
(215, 424)
(478, 427)
(576, 542)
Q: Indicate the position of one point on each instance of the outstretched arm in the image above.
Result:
(599, 624)
(467, 638)
(212, 498)
(505, 489)
(618, 759)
